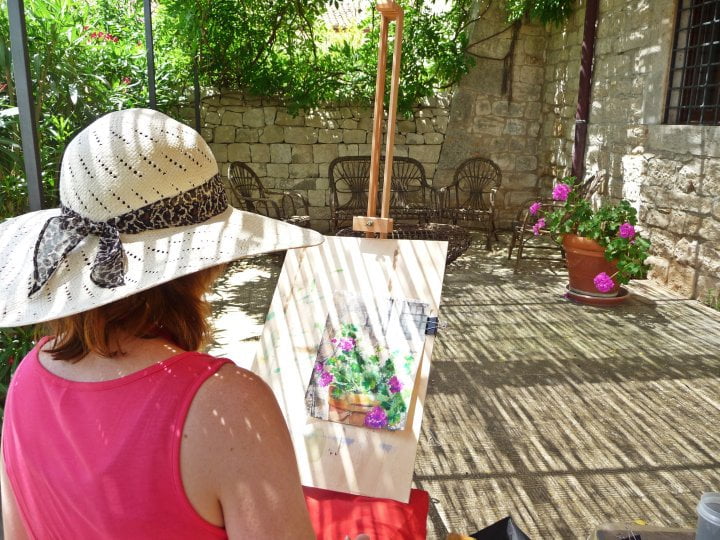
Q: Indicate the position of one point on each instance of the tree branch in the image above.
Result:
(273, 35)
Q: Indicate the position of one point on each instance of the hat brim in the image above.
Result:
(152, 258)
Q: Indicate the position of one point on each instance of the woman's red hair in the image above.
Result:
(176, 309)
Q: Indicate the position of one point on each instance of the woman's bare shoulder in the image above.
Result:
(236, 420)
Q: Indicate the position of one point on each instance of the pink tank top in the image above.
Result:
(102, 459)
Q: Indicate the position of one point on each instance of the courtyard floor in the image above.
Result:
(561, 415)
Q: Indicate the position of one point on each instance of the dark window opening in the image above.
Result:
(694, 83)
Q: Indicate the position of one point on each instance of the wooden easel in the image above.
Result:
(331, 455)
(371, 224)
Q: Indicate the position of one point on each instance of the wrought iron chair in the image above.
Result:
(289, 206)
(471, 196)
(411, 197)
(523, 225)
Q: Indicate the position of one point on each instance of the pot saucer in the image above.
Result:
(600, 301)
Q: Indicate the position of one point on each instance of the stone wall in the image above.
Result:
(670, 173)
(487, 122)
(294, 151)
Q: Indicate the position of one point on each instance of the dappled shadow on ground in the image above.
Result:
(563, 415)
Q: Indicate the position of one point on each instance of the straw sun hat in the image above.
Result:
(141, 204)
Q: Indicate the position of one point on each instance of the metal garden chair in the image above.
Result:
(471, 196)
(290, 206)
(411, 197)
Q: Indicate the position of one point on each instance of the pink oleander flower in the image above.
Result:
(539, 224)
(534, 208)
(394, 384)
(626, 231)
(603, 282)
(325, 378)
(376, 418)
(560, 192)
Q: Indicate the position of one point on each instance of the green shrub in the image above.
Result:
(86, 59)
(15, 343)
(284, 49)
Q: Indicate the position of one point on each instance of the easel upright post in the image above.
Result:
(371, 224)
(392, 114)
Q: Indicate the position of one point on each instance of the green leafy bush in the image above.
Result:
(15, 343)
(284, 49)
(86, 59)
(545, 11)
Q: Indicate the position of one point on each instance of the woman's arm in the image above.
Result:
(13, 527)
(236, 427)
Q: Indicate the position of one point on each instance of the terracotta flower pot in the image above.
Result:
(585, 260)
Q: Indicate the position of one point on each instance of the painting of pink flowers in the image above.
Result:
(367, 360)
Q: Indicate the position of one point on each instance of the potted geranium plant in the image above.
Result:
(603, 249)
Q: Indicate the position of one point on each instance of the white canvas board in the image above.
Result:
(332, 455)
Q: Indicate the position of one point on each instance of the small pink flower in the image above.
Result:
(126, 80)
(345, 344)
(560, 192)
(539, 224)
(319, 366)
(626, 231)
(325, 378)
(394, 384)
(603, 282)
(534, 208)
(376, 418)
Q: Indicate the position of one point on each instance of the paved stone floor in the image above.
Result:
(561, 415)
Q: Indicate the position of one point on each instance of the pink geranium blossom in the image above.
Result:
(603, 282)
(534, 208)
(626, 231)
(560, 192)
(539, 224)
(394, 384)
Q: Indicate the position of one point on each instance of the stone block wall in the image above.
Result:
(294, 151)
(670, 173)
(487, 122)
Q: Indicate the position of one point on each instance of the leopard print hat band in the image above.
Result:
(62, 233)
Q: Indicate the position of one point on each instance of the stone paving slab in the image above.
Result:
(564, 416)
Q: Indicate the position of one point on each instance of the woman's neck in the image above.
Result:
(137, 354)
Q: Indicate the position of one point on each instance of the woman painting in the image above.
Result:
(115, 426)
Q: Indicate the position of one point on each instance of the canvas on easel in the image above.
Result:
(386, 289)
